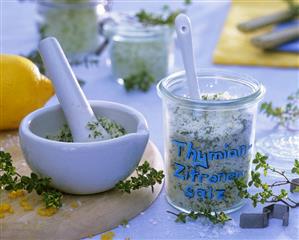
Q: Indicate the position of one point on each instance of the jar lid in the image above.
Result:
(128, 26)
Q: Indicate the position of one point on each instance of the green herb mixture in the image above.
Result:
(114, 129)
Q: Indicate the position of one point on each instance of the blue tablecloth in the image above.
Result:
(18, 35)
(292, 46)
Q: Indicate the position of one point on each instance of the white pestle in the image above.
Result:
(184, 33)
(74, 104)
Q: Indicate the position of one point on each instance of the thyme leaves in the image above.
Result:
(285, 115)
(266, 193)
(11, 180)
(146, 177)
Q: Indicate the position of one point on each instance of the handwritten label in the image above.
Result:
(199, 159)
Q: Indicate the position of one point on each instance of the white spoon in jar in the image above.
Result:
(184, 33)
(74, 104)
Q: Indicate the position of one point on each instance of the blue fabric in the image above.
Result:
(19, 36)
(292, 46)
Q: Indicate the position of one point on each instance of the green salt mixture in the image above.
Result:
(75, 27)
(151, 55)
(114, 129)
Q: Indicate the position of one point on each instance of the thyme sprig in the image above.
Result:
(285, 115)
(167, 17)
(157, 19)
(146, 177)
(11, 180)
(213, 217)
(266, 193)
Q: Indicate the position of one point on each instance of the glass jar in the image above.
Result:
(74, 23)
(137, 50)
(208, 141)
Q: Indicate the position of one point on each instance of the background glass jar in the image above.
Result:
(209, 141)
(74, 23)
(137, 49)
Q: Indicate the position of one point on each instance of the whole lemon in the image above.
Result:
(22, 90)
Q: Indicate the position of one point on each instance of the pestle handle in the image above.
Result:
(184, 33)
(74, 104)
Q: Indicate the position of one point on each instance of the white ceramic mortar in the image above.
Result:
(83, 167)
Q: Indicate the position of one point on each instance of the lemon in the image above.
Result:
(22, 89)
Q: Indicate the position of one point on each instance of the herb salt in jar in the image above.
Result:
(208, 141)
(75, 23)
(138, 50)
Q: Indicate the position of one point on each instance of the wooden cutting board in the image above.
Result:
(80, 216)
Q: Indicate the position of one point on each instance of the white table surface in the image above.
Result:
(18, 35)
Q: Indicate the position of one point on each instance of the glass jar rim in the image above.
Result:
(71, 5)
(254, 97)
(126, 25)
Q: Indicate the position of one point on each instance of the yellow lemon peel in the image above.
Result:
(16, 194)
(5, 208)
(25, 204)
(46, 212)
(74, 204)
(107, 236)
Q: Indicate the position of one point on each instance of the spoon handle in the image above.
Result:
(184, 33)
(74, 104)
